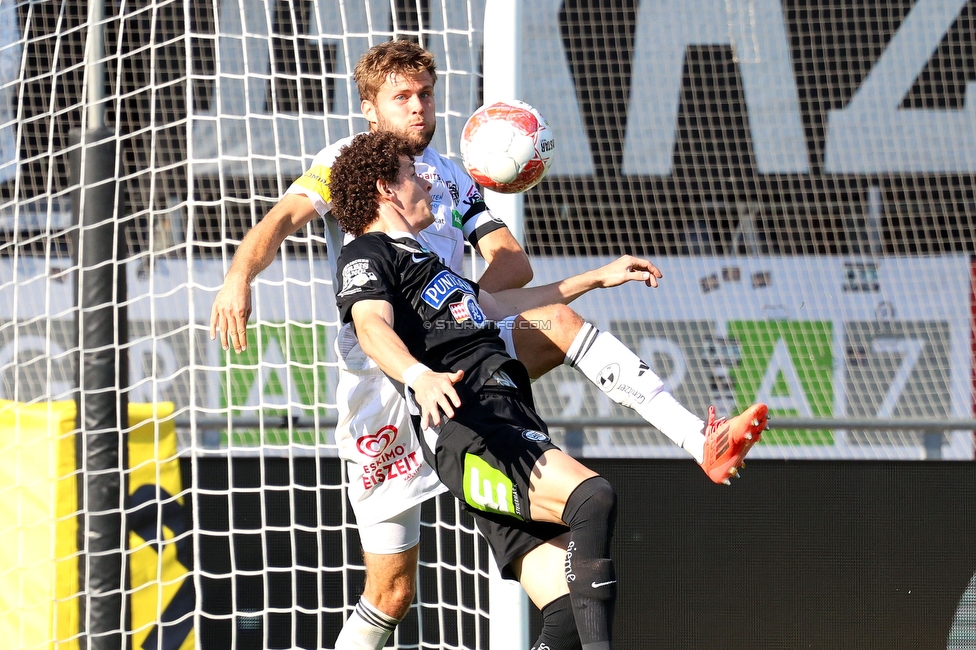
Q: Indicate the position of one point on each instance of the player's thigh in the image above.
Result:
(541, 337)
(388, 570)
(541, 571)
(393, 535)
(554, 478)
(390, 554)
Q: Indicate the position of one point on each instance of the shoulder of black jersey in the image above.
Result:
(375, 246)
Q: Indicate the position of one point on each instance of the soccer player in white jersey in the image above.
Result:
(388, 479)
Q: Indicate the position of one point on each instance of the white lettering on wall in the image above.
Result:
(872, 135)
(664, 31)
(910, 351)
(781, 368)
(548, 85)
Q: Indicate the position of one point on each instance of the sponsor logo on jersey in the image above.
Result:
(456, 219)
(429, 173)
(468, 309)
(473, 200)
(355, 275)
(534, 436)
(374, 444)
(502, 379)
(637, 396)
(442, 287)
(608, 377)
(452, 187)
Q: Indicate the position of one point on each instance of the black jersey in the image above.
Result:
(435, 311)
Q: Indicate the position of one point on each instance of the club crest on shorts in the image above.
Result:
(534, 436)
(608, 377)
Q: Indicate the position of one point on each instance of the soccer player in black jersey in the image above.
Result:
(396, 82)
(431, 331)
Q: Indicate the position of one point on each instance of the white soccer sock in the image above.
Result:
(630, 382)
(367, 628)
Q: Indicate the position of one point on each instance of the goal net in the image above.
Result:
(800, 172)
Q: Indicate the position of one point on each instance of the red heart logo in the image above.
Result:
(374, 444)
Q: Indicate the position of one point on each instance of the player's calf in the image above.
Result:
(590, 513)
(558, 627)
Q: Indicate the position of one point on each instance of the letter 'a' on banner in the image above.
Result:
(39, 588)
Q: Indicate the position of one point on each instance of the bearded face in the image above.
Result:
(405, 105)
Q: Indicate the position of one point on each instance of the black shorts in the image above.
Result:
(485, 455)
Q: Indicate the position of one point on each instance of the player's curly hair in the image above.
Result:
(370, 157)
(400, 56)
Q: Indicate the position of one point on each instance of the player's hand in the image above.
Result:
(628, 269)
(434, 392)
(229, 315)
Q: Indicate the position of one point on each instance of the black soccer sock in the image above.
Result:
(590, 513)
(558, 627)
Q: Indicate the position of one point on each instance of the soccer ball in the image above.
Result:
(507, 146)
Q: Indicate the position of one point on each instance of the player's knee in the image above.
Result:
(392, 596)
(594, 501)
(558, 627)
(563, 318)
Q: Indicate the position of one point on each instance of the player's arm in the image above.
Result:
(232, 306)
(508, 264)
(434, 391)
(514, 301)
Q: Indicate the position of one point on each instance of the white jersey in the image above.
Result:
(386, 470)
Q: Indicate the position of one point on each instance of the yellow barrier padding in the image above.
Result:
(33, 532)
(39, 599)
(156, 573)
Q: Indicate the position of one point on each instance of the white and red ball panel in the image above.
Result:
(507, 146)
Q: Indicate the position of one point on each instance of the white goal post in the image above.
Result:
(509, 627)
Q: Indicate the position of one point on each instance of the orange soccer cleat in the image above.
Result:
(728, 441)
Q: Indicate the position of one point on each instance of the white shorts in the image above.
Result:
(385, 466)
(507, 326)
(395, 535)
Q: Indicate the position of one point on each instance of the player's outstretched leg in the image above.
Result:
(728, 441)
(610, 365)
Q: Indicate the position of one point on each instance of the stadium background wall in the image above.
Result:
(828, 554)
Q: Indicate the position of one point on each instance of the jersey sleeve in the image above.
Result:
(366, 271)
(314, 183)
